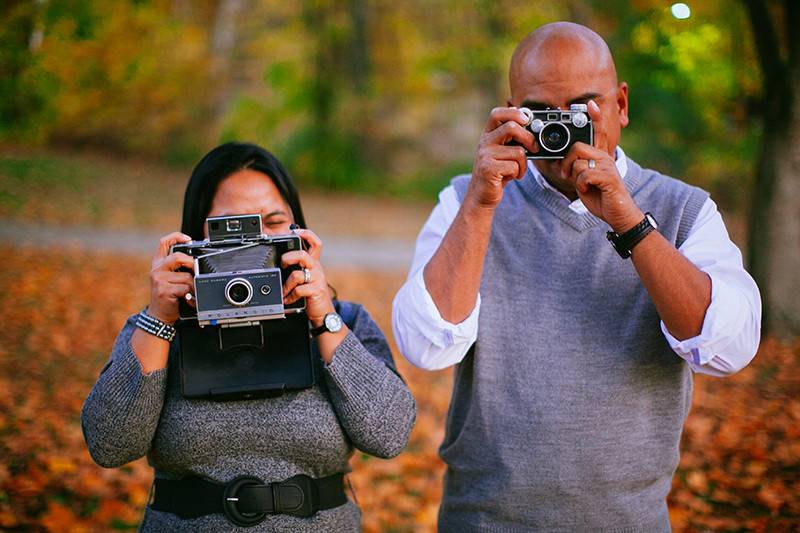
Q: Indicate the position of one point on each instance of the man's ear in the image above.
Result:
(622, 104)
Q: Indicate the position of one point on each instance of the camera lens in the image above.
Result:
(238, 291)
(554, 137)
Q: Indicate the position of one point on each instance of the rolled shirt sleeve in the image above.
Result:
(727, 342)
(426, 339)
(731, 329)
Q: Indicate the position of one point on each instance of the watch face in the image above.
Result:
(333, 322)
(652, 220)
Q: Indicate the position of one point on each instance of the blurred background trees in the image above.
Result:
(361, 94)
(389, 97)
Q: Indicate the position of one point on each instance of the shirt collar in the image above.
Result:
(577, 205)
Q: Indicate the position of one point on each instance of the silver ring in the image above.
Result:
(188, 297)
(306, 275)
(592, 163)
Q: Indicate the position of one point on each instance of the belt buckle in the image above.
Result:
(230, 499)
(296, 496)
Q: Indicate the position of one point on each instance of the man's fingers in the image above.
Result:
(167, 241)
(580, 151)
(501, 115)
(600, 140)
(512, 153)
(586, 179)
(509, 170)
(511, 131)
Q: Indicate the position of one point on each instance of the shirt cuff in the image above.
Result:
(429, 321)
(723, 320)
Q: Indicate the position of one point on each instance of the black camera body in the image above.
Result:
(556, 130)
(237, 274)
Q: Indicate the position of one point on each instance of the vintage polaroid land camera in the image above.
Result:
(237, 274)
(556, 130)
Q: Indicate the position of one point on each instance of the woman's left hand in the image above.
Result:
(309, 282)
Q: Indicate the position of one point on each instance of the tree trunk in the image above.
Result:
(223, 43)
(359, 46)
(782, 307)
(774, 226)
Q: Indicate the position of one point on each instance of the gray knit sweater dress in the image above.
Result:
(359, 401)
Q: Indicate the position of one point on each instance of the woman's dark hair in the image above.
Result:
(220, 163)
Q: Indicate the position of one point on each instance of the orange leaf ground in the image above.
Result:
(740, 467)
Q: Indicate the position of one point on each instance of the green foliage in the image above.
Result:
(691, 83)
(46, 171)
(21, 177)
(363, 95)
(112, 74)
(23, 90)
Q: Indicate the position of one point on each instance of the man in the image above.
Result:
(574, 364)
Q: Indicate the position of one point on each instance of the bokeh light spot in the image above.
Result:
(681, 11)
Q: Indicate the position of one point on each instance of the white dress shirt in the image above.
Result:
(731, 328)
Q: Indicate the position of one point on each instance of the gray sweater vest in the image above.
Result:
(567, 413)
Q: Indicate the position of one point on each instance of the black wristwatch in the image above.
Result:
(332, 322)
(624, 243)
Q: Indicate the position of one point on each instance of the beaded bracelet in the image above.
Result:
(154, 326)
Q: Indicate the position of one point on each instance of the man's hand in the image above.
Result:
(601, 188)
(495, 163)
(463, 248)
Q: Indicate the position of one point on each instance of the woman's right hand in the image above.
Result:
(167, 286)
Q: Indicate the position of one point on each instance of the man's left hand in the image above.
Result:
(601, 188)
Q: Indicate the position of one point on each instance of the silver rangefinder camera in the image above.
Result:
(556, 130)
(237, 274)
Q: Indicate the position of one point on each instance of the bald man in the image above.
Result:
(574, 358)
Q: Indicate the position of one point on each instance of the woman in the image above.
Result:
(200, 448)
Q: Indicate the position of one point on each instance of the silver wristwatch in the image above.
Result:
(332, 322)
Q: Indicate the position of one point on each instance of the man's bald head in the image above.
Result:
(561, 64)
(561, 44)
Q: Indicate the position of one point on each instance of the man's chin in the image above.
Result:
(550, 169)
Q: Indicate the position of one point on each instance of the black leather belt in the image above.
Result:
(246, 500)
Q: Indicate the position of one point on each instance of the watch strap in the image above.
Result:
(625, 242)
(154, 326)
(319, 330)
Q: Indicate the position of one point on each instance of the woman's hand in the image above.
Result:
(319, 301)
(167, 286)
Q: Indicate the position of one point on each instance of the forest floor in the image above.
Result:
(740, 462)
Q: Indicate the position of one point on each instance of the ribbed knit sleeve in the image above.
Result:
(373, 404)
(120, 416)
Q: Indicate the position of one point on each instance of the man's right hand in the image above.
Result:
(496, 163)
